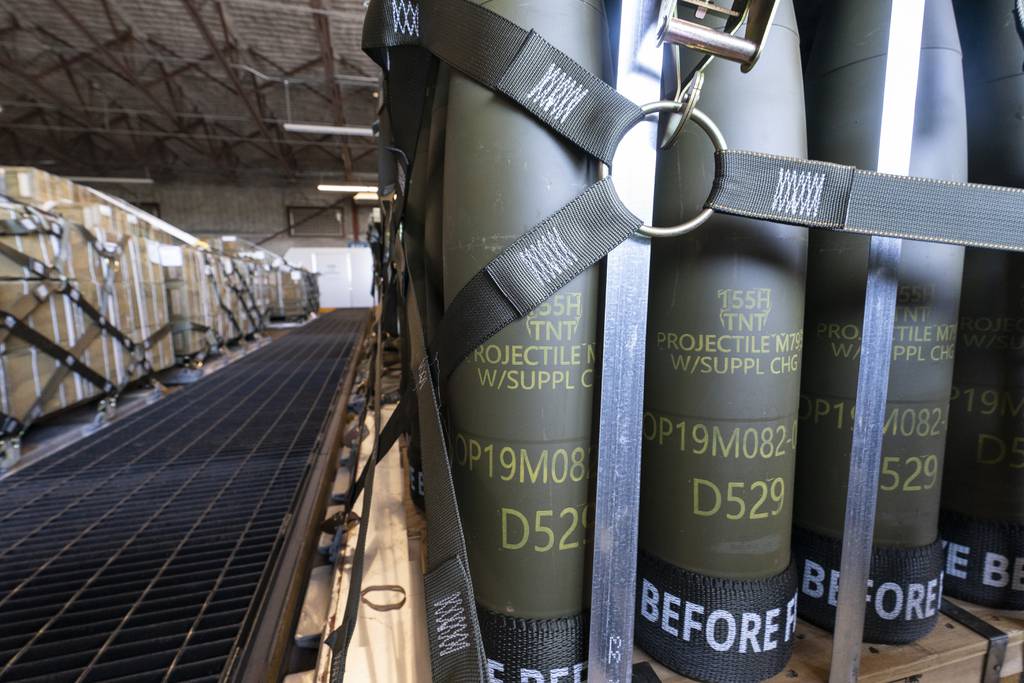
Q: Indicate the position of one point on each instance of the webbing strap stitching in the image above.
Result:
(507, 58)
(832, 196)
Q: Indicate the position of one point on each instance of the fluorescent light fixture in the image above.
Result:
(365, 197)
(228, 238)
(353, 189)
(321, 129)
(111, 179)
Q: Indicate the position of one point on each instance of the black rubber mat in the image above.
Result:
(135, 553)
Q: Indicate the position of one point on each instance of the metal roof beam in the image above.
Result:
(323, 34)
(254, 109)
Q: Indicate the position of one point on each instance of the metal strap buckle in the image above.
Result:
(717, 139)
(758, 15)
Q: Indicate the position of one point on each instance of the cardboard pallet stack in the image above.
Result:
(95, 294)
(192, 301)
(291, 294)
(282, 291)
(83, 304)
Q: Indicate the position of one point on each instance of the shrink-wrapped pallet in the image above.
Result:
(83, 300)
(191, 301)
(290, 296)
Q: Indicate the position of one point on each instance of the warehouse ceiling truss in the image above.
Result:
(178, 88)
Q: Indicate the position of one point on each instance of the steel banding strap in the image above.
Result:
(511, 60)
(818, 194)
(998, 641)
(530, 270)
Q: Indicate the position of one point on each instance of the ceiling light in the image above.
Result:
(111, 179)
(346, 188)
(366, 197)
(320, 129)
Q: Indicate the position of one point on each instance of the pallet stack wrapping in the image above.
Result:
(192, 301)
(96, 294)
(290, 293)
(77, 281)
(281, 291)
(238, 315)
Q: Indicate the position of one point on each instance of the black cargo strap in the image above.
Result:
(818, 194)
(456, 649)
(453, 630)
(530, 270)
(96, 317)
(216, 290)
(508, 59)
(580, 106)
(243, 291)
(998, 640)
(396, 425)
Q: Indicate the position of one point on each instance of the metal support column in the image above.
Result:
(894, 147)
(638, 77)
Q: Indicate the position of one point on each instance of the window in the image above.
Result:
(316, 221)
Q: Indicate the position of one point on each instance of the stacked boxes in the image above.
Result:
(290, 295)
(64, 294)
(192, 302)
(95, 294)
(279, 290)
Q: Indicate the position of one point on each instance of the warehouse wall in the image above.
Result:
(251, 211)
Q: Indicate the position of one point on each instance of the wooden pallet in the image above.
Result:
(950, 654)
(390, 646)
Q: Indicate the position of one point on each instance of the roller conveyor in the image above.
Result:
(138, 553)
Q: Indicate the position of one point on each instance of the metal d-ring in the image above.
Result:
(717, 139)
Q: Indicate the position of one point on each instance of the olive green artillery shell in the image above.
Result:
(844, 100)
(724, 337)
(984, 475)
(520, 406)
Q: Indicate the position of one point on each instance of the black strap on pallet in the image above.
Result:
(396, 425)
(818, 194)
(510, 60)
(998, 641)
(340, 638)
(220, 299)
(58, 353)
(456, 648)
